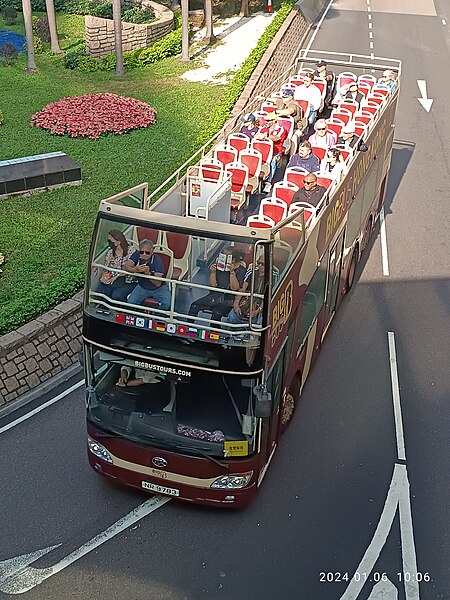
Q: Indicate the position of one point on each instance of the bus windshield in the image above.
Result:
(168, 407)
(179, 284)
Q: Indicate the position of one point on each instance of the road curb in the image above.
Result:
(41, 390)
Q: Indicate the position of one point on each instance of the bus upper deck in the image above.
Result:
(211, 215)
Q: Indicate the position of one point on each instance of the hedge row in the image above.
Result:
(236, 86)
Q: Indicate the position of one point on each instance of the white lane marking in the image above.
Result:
(370, 34)
(424, 100)
(384, 251)
(401, 453)
(372, 56)
(319, 24)
(444, 22)
(369, 10)
(25, 579)
(371, 45)
(384, 590)
(42, 407)
(398, 496)
(370, 25)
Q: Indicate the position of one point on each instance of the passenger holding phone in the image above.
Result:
(144, 262)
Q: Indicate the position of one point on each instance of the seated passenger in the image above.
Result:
(350, 140)
(144, 262)
(305, 158)
(114, 284)
(141, 377)
(242, 311)
(388, 78)
(332, 165)
(311, 193)
(323, 137)
(353, 94)
(288, 107)
(276, 133)
(226, 276)
(250, 126)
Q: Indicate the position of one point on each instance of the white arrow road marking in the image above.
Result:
(14, 565)
(397, 497)
(384, 590)
(16, 577)
(424, 100)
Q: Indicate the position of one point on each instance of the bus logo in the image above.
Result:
(159, 462)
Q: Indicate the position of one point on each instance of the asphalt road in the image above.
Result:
(324, 495)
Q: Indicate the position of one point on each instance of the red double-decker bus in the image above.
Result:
(200, 330)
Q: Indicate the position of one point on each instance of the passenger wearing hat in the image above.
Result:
(277, 134)
(329, 77)
(288, 107)
(250, 126)
(349, 140)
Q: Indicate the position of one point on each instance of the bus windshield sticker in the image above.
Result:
(235, 448)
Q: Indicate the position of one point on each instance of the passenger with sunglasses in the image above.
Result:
(323, 137)
(112, 283)
(144, 262)
(312, 193)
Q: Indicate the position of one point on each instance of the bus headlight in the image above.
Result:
(232, 482)
(99, 451)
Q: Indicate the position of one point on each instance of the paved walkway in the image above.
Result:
(237, 38)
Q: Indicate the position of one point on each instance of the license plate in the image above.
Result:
(160, 489)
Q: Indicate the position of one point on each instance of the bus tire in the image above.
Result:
(367, 234)
(351, 270)
(287, 410)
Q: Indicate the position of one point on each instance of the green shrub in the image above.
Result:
(71, 59)
(138, 15)
(103, 10)
(42, 28)
(168, 46)
(88, 64)
(8, 54)
(9, 14)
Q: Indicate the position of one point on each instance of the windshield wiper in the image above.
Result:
(202, 453)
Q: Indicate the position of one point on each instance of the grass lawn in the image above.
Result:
(45, 237)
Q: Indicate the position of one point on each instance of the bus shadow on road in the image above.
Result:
(402, 152)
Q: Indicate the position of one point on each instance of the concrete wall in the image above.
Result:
(44, 347)
(99, 33)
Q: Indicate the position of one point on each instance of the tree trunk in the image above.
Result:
(185, 30)
(209, 37)
(50, 6)
(244, 9)
(118, 37)
(26, 8)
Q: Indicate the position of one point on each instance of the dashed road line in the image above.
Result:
(401, 452)
(384, 251)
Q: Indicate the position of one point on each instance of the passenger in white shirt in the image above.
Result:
(333, 165)
(308, 91)
(323, 137)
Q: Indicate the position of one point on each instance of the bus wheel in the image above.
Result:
(367, 234)
(287, 410)
(351, 270)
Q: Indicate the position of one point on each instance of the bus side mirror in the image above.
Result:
(263, 405)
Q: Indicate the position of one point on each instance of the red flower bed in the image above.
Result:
(94, 114)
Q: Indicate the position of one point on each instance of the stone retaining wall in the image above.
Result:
(44, 347)
(99, 33)
(40, 349)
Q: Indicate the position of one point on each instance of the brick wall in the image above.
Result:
(40, 349)
(99, 33)
(46, 346)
